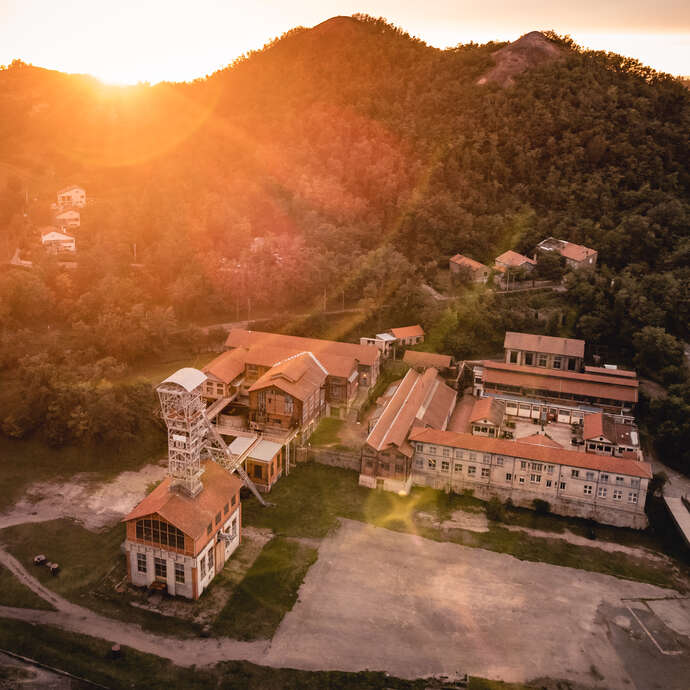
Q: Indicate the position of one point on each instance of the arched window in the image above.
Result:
(160, 532)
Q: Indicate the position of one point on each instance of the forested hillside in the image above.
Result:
(363, 159)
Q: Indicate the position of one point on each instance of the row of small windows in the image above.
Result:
(226, 510)
(160, 566)
(159, 532)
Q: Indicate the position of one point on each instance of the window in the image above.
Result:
(541, 360)
(179, 573)
(509, 477)
(549, 469)
(562, 486)
(458, 467)
(604, 478)
(472, 470)
(445, 466)
(288, 404)
(218, 518)
(161, 568)
(384, 466)
(485, 471)
(486, 459)
(233, 501)
(398, 468)
(587, 489)
(635, 483)
(590, 476)
(258, 473)
(602, 491)
(521, 480)
(499, 461)
(557, 362)
(431, 463)
(617, 494)
(535, 466)
(529, 358)
(202, 567)
(619, 480)
(209, 560)
(523, 465)
(226, 509)
(209, 528)
(233, 528)
(420, 462)
(591, 446)
(460, 454)
(431, 450)
(513, 357)
(535, 478)
(420, 447)
(446, 452)
(159, 532)
(473, 456)
(548, 483)
(575, 473)
(632, 497)
(141, 562)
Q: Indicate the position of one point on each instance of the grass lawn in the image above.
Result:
(157, 371)
(327, 433)
(267, 592)
(14, 593)
(90, 566)
(88, 657)
(309, 501)
(28, 461)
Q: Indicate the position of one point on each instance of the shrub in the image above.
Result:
(495, 510)
(541, 507)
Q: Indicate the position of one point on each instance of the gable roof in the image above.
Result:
(513, 259)
(488, 408)
(528, 451)
(544, 343)
(408, 331)
(298, 375)
(70, 188)
(421, 398)
(596, 425)
(55, 236)
(68, 212)
(465, 261)
(570, 250)
(228, 365)
(539, 440)
(365, 354)
(191, 515)
(427, 359)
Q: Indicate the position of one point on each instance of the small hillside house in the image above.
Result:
(511, 260)
(477, 272)
(68, 219)
(71, 196)
(55, 242)
(576, 256)
(487, 417)
(408, 335)
(183, 542)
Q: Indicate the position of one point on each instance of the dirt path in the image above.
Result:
(75, 618)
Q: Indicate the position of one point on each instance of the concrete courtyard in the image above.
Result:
(382, 600)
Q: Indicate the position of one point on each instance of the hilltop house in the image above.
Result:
(544, 351)
(478, 273)
(55, 242)
(511, 260)
(68, 219)
(183, 542)
(71, 196)
(576, 256)
(408, 335)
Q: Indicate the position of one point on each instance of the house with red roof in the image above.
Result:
(408, 335)
(478, 272)
(577, 256)
(486, 418)
(179, 541)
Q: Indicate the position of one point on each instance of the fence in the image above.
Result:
(335, 458)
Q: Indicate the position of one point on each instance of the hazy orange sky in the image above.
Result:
(153, 40)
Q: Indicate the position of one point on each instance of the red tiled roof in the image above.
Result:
(528, 451)
(227, 366)
(605, 425)
(427, 359)
(513, 259)
(191, 515)
(367, 355)
(422, 397)
(570, 382)
(465, 261)
(488, 408)
(408, 331)
(299, 375)
(576, 252)
(539, 440)
(532, 342)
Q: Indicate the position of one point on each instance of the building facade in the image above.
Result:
(477, 272)
(544, 351)
(71, 196)
(183, 542)
(608, 490)
(577, 256)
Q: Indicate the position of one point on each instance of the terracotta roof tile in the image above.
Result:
(569, 347)
(488, 408)
(228, 365)
(427, 359)
(466, 262)
(528, 451)
(539, 440)
(513, 259)
(408, 331)
(299, 375)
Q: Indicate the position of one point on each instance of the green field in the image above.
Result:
(13, 593)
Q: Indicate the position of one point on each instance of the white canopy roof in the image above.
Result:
(187, 377)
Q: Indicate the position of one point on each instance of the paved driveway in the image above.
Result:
(381, 600)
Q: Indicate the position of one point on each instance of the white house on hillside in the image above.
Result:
(57, 242)
(68, 219)
(71, 196)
